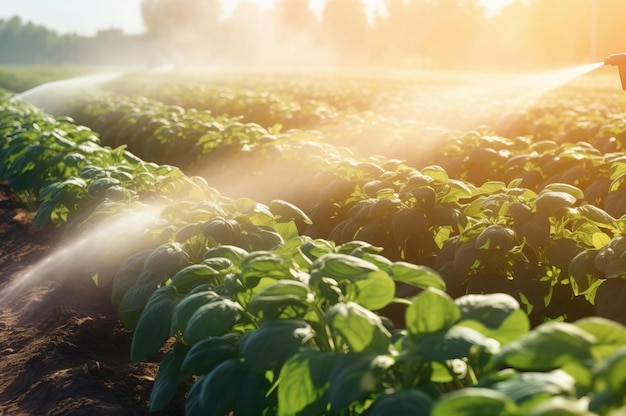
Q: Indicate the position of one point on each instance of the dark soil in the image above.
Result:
(62, 349)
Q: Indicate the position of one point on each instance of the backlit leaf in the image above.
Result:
(431, 311)
(354, 376)
(551, 345)
(416, 275)
(304, 383)
(475, 401)
(359, 328)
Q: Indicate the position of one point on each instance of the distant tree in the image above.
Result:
(298, 34)
(610, 35)
(163, 18)
(243, 37)
(295, 13)
(399, 37)
(346, 29)
(186, 31)
(27, 43)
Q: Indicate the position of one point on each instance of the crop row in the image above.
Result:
(265, 320)
(553, 218)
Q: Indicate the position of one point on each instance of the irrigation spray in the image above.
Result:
(103, 245)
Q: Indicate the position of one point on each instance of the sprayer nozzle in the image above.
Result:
(617, 59)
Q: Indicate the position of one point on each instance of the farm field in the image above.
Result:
(323, 243)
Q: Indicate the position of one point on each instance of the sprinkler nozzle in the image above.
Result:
(619, 60)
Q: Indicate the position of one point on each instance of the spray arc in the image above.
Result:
(619, 60)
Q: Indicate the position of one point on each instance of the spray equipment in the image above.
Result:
(619, 60)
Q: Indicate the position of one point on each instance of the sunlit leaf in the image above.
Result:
(359, 328)
(304, 383)
(496, 316)
(431, 311)
(354, 376)
(416, 275)
(550, 345)
(475, 401)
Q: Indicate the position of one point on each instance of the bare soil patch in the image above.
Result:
(62, 348)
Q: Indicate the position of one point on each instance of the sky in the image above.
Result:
(86, 17)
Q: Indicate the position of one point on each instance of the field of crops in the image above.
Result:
(347, 243)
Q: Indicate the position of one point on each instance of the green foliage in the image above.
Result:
(283, 308)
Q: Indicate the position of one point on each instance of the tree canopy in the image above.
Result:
(408, 33)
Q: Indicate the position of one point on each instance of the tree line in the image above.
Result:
(406, 33)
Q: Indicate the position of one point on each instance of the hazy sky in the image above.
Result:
(80, 16)
(86, 17)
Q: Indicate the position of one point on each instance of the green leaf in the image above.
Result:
(529, 389)
(609, 335)
(251, 395)
(566, 188)
(435, 172)
(133, 302)
(127, 275)
(466, 258)
(192, 276)
(341, 267)
(496, 315)
(281, 294)
(187, 307)
(259, 238)
(475, 401)
(217, 391)
(262, 264)
(612, 373)
(561, 252)
(232, 253)
(536, 231)
(207, 354)
(610, 299)
(550, 202)
(166, 260)
(455, 343)
(218, 264)
(303, 388)
(222, 231)
(416, 275)
(431, 311)
(403, 402)
(269, 346)
(361, 329)
(212, 319)
(354, 376)
(495, 237)
(288, 212)
(551, 345)
(168, 377)
(315, 249)
(374, 292)
(153, 327)
(610, 259)
(597, 216)
(560, 406)
(583, 272)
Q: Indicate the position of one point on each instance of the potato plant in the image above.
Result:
(459, 279)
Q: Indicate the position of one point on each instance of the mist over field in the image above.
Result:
(458, 34)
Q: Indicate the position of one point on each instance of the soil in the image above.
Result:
(62, 349)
